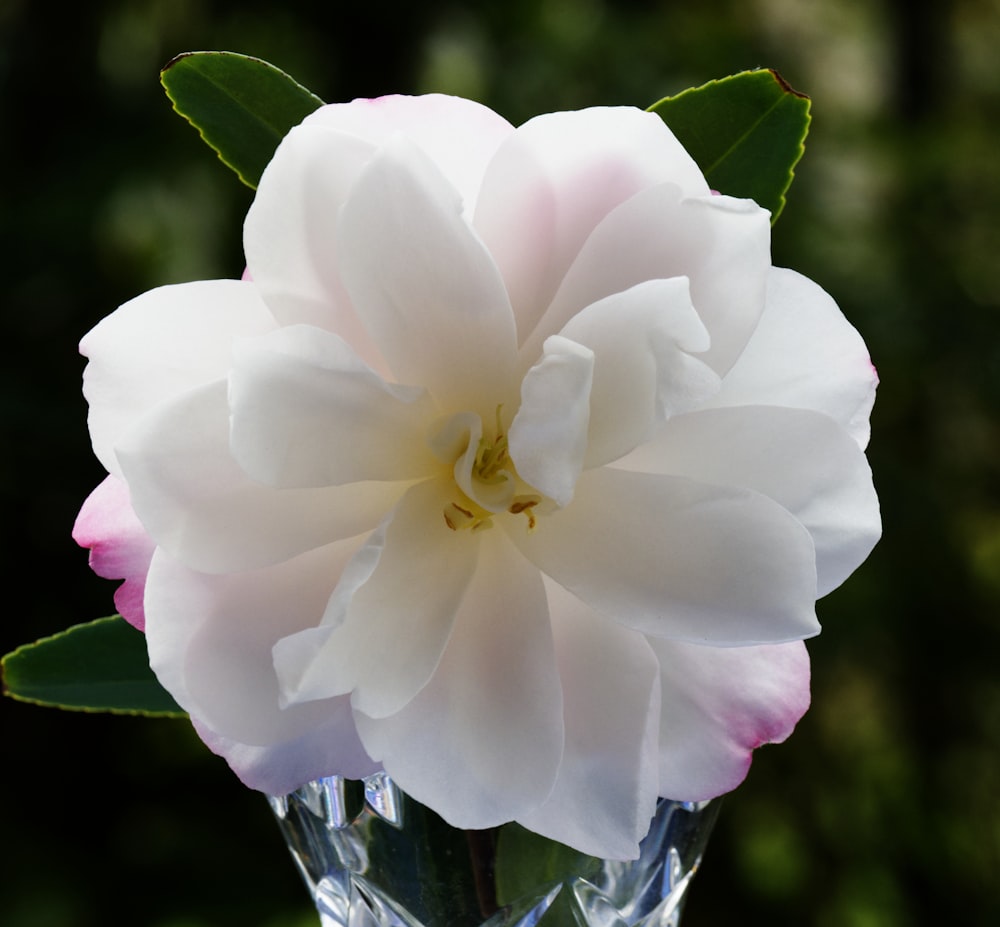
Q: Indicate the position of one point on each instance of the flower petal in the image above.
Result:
(806, 355)
(722, 245)
(119, 545)
(424, 285)
(160, 345)
(481, 742)
(643, 372)
(554, 179)
(210, 639)
(548, 437)
(290, 232)
(803, 460)
(388, 635)
(330, 747)
(676, 558)
(606, 790)
(307, 412)
(719, 704)
(196, 503)
(460, 136)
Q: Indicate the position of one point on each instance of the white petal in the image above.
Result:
(643, 372)
(424, 285)
(306, 411)
(290, 232)
(301, 665)
(481, 742)
(606, 791)
(548, 437)
(806, 355)
(330, 748)
(459, 135)
(158, 346)
(676, 558)
(196, 502)
(554, 180)
(719, 704)
(803, 460)
(210, 640)
(397, 622)
(722, 245)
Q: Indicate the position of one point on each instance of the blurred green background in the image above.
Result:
(883, 810)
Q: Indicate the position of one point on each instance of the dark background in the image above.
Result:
(883, 810)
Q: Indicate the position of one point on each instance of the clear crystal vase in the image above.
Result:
(373, 857)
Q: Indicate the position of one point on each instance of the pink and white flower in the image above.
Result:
(512, 467)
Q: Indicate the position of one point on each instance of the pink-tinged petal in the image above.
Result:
(722, 245)
(806, 355)
(330, 748)
(119, 545)
(676, 558)
(210, 639)
(548, 437)
(460, 136)
(306, 411)
(197, 504)
(643, 373)
(424, 285)
(554, 180)
(721, 703)
(391, 626)
(159, 346)
(607, 787)
(481, 742)
(803, 460)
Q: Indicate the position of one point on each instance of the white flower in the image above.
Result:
(512, 467)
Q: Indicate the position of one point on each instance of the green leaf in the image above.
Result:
(242, 107)
(100, 666)
(746, 133)
(525, 860)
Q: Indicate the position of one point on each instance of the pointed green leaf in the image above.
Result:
(100, 666)
(242, 107)
(746, 133)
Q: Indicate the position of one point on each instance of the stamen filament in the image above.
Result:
(522, 505)
(492, 467)
(491, 456)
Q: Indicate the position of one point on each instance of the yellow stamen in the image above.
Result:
(522, 505)
(491, 456)
(492, 466)
(470, 517)
(456, 518)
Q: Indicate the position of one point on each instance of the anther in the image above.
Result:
(522, 505)
(456, 518)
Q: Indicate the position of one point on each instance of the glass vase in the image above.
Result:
(373, 857)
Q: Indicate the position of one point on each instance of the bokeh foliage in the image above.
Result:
(883, 810)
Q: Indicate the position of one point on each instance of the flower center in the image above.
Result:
(492, 457)
(491, 468)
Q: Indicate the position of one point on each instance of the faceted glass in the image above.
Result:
(373, 857)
